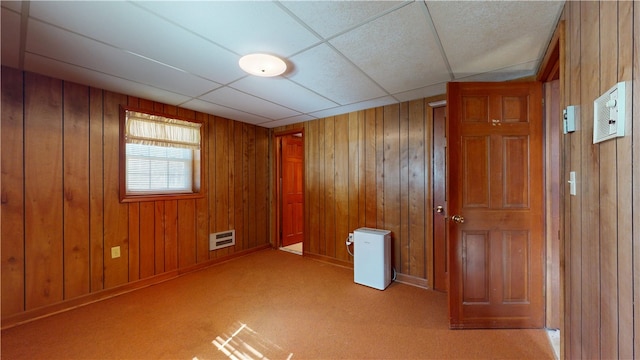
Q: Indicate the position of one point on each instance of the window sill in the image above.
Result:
(160, 197)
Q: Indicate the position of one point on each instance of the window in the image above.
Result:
(161, 156)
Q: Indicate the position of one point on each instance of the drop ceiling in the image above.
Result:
(342, 56)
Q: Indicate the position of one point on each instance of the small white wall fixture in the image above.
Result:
(610, 113)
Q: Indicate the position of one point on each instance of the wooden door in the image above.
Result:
(440, 269)
(496, 188)
(291, 177)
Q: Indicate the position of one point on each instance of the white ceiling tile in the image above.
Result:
(65, 46)
(118, 24)
(482, 36)
(327, 73)
(10, 28)
(60, 70)
(386, 100)
(235, 99)
(222, 111)
(288, 121)
(329, 18)
(241, 26)
(284, 92)
(398, 50)
(427, 91)
(186, 53)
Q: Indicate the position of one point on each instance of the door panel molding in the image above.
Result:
(495, 182)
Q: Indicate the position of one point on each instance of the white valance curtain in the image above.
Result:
(154, 130)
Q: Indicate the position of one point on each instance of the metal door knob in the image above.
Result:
(439, 209)
(457, 218)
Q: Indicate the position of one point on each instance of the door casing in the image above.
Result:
(277, 242)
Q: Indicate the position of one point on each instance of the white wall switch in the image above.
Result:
(572, 183)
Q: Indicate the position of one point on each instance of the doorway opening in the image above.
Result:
(290, 195)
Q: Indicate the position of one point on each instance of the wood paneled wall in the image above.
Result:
(601, 229)
(60, 208)
(372, 168)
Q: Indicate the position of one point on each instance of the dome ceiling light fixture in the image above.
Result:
(262, 65)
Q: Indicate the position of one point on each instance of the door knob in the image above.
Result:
(457, 218)
(439, 209)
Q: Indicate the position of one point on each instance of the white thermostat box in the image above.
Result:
(610, 113)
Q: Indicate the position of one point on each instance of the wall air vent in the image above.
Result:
(222, 239)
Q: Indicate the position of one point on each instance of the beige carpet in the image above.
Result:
(270, 304)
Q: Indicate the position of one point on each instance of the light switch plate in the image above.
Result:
(572, 183)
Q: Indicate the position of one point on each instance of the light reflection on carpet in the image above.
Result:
(246, 344)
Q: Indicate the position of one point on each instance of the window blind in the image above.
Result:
(159, 154)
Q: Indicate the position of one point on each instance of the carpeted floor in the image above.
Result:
(270, 304)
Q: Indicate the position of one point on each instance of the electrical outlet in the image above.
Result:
(115, 252)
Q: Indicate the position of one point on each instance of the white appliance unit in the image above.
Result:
(372, 257)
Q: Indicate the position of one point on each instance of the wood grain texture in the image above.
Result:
(405, 243)
(370, 186)
(574, 297)
(134, 223)
(636, 180)
(251, 231)
(608, 194)
(263, 186)
(416, 190)
(391, 171)
(147, 239)
(329, 240)
(76, 190)
(312, 186)
(361, 179)
(43, 171)
(134, 241)
(159, 234)
(238, 190)
(590, 166)
(171, 235)
(625, 184)
(12, 215)
(353, 179)
(553, 134)
(380, 179)
(601, 274)
(322, 185)
(232, 175)
(96, 189)
(202, 204)
(116, 233)
(354, 171)
(341, 178)
(61, 155)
